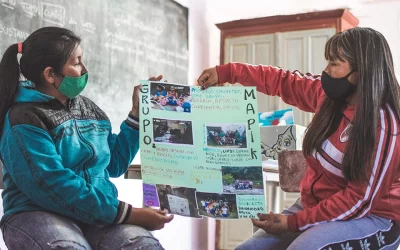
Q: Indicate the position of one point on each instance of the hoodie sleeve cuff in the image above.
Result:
(124, 211)
(132, 122)
(292, 223)
(224, 72)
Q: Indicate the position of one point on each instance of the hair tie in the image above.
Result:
(20, 48)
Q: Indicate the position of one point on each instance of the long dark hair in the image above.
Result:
(368, 53)
(46, 47)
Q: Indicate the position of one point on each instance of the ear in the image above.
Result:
(49, 76)
(354, 78)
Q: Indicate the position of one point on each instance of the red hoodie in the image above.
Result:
(325, 194)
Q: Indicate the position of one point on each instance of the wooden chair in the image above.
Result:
(292, 167)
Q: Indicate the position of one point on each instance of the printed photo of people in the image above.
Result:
(172, 131)
(226, 135)
(242, 180)
(178, 200)
(170, 97)
(220, 206)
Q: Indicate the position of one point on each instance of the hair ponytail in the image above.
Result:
(46, 47)
(9, 81)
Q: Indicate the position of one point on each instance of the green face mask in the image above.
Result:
(73, 86)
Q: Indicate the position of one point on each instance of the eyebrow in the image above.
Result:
(80, 55)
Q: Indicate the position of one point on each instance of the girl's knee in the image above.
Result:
(142, 243)
(68, 244)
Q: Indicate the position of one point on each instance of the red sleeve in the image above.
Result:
(302, 91)
(359, 198)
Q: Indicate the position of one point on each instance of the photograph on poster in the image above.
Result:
(214, 205)
(170, 97)
(172, 131)
(226, 135)
(178, 200)
(242, 180)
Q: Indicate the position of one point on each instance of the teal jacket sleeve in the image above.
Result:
(124, 147)
(31, 159)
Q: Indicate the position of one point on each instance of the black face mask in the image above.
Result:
(337, 88)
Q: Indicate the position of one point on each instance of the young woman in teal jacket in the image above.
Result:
(59, 154)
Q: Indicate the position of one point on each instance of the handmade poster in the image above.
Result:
(200, 153)
(277, 117)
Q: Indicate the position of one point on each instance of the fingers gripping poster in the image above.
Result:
(200, 152)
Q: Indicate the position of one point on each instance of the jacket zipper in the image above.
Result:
(312, 187)
(89, 145)
(91, 149)
(81, 137)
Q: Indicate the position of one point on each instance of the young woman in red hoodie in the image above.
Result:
(350, 194)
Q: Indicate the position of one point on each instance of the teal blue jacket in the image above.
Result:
(60, 159)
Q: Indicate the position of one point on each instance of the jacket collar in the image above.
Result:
(27, 93)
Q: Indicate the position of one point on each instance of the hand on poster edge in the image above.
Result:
(208, 78)
(136, 96)
(149, 218)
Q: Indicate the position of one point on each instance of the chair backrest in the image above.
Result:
(292, 167)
